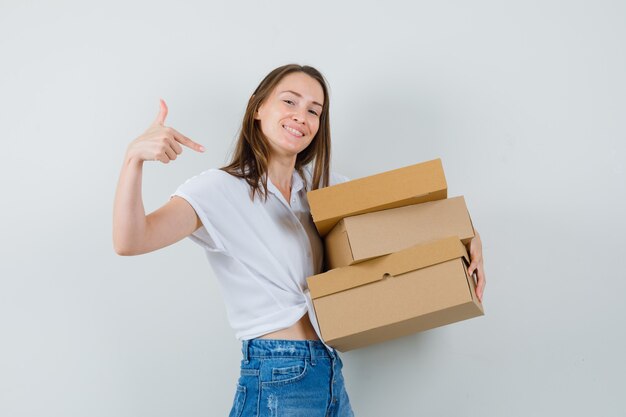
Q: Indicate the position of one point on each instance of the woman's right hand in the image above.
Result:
(160, 143)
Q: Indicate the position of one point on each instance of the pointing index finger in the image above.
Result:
(187, 142)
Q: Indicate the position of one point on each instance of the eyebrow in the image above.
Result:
(300, 95)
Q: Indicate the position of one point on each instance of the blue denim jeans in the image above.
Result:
(290, 378)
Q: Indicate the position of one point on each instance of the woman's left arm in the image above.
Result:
(476, 264)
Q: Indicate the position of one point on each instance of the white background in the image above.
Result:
(524, 101)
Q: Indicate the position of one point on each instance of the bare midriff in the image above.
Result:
(301, 330)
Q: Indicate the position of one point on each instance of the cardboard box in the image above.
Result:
(359, 238)
(414, 184)
(416, 289)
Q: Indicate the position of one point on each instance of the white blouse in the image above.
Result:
(261, 251)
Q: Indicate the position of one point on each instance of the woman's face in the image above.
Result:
(290, 115)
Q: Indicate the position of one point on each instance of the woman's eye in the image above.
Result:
(291, 102)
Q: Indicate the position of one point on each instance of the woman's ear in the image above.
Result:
(256, 112)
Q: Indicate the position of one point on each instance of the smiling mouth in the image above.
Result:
(293, 131)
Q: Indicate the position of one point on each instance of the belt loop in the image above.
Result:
(312, 351)
(244, 350)
(330, 351)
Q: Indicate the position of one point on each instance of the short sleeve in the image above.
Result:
(203, 193)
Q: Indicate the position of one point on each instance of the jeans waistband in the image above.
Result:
(285, 348)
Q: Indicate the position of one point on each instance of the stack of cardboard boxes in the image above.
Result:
(395, 257)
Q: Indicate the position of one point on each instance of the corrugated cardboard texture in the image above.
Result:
(396, 188)
(358, 238)
(389, 297)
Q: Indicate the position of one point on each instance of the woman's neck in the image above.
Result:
(280, 171)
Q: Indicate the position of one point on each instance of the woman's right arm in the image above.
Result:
(134, 233)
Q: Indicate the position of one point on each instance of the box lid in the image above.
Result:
(397, 263)
(396, 188)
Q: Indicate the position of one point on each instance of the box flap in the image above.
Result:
(397, 263)
(341, 253)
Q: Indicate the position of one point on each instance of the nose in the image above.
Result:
(298, 117)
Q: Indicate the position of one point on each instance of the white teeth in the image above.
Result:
(294, 131)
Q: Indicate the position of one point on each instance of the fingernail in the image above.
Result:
(202, 148)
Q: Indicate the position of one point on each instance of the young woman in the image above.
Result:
(253, 220)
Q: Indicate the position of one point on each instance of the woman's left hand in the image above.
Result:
(476, 265)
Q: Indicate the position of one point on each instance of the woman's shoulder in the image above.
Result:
(211, 180)
(217, 175)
